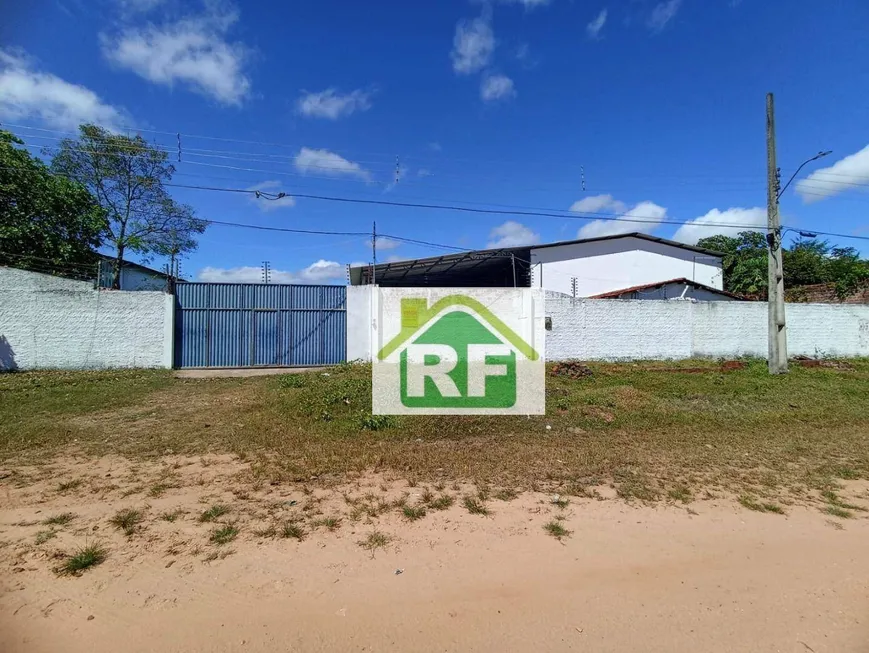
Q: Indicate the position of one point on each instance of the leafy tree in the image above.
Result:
(128, 177)
(44, 218)
(745, 261)
(806, 262)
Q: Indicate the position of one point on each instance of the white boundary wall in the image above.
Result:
(609, 329)
(49, 322)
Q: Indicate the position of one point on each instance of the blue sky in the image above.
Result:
(505, 103)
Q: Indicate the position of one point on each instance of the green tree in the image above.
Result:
(745, 261)
(847, 270)
(805, 262)
(44, 218)
(128, 176)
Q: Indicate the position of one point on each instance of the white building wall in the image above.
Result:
(362, 314)
(677, 291)
(48, 322)
(608, 265)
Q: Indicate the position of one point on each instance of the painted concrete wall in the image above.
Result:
(48, 322)
(607, 265)
(601, 329)
(362, 314)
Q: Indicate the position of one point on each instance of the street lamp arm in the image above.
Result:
(802, 165)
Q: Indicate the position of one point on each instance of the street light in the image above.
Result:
(819, 155)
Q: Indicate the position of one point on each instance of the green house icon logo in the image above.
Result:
(456, 353)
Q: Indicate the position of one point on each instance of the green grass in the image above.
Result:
(837, 507)
(760, 506)
(85, 558)
(413, 513)
(741, 430)
(171, 516)
(442, 502)
(127, 520)
(59, 520)
(474, 506)
(681, 493)
(561, 503)
(292, 530)
(224, 534)
(331, 523)
(214, 513)
(838, 511)
(506, 494)
(556, 530)
(43, 536)
(375, 540)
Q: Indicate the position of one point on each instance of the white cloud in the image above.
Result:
(528, 4)
(837, 178)
(662, 14)
(496, 87)
(435, 147)
(332, 105)
(384, 243)
(322, 271)
(395, 258)
(324, 162)
(512, 234)
(594, 27)
(595, 203)
(648, 212)
(272, 187)
(473, 45)
(130, 7)
(424, 172)
(28, 94)
(193, 52)
(703, 227)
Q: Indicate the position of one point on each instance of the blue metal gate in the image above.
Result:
(249, 325)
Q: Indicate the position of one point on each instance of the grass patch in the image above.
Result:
(224, 534)
(556, 530)
(69, 485)
(751, 503)
(171, 516)
(838, 511)
(127, 520)
(214, 513)
(681, 493)
(85, 558)
(474, 506)
(661, 420)
(442, 502)
(43, 536)
(412, 513)
(561, 502)
(292, 530)
(506, 494)
(332, 523)
(59, 520)
(375, 540)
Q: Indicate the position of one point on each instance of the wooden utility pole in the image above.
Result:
(778, 346)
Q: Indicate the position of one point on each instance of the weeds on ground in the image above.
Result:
(442, 502)
(412, 513)
(224, 534)
(561, 502)
(43, 536)
(681, 493)
(332, 523)
(375, 540)
(474, 506)
(838, 511)
(506, 494)
(214, 513)
(760, 506)
(556, 530)
(85, 558)
(171, 516)
(69, 485)
(127, 520)
(59, 520)
(292, 530)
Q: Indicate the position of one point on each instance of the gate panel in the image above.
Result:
(249, 325)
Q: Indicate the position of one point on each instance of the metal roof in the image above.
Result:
(615, 294)
(481, 268)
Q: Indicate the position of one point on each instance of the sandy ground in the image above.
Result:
(710, 577)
